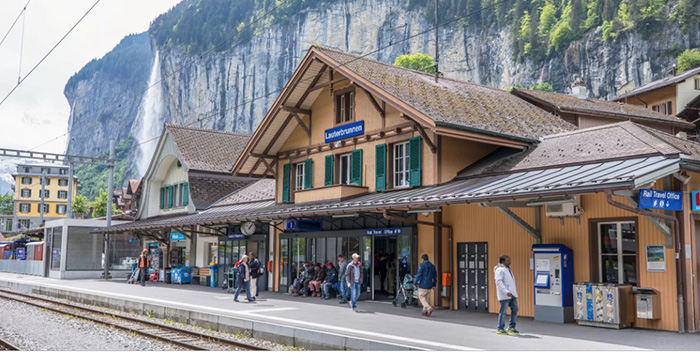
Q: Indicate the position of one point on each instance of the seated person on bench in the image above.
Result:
(330, 280)
(301, 284)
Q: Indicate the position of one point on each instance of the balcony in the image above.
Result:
(334, 192)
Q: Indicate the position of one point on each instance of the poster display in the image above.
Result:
(656, 258)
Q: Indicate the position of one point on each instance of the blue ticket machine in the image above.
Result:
(553, 282)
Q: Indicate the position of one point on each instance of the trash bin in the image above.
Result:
(212, 278)
(648, 305)
(168, 276)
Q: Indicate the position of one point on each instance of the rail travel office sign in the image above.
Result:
(660, 200)
(345, 131)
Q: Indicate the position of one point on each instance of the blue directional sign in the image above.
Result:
(695, 200)
(660, 200)
(176, 236)
(345, 131)
(383, 231)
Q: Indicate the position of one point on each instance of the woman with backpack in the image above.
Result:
(256, 271)
(243, 279)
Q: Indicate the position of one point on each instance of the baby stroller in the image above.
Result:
(134, 276)
(407, 292)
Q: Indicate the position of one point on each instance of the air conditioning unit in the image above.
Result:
(564, 208)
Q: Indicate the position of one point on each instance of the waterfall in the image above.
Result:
(150, 118)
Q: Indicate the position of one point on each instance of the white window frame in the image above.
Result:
(25, 223)
(345, 165)
(26, 181)
(62, 182)
(620, 251)
(299, 174)
(28, 193)
(697, 83)
(400, 164)
(61, 209)
(25, 208)
(63, 192)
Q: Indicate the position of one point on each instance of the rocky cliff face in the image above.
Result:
(232, 90)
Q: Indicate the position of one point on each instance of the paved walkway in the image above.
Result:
(446, 330)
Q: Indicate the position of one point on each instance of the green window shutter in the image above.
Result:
(170, 196)
(328, 180)
(285, 182)
(380, 167)
(185, 194)
(414, 161)
(356, 167)
(308, 173)
(162, 198)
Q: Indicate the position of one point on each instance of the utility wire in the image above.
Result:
(21, 46)
(339, 65)
(50, 51)
(15, 22)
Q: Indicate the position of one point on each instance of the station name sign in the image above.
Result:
(660, 200)
(383, 231)
(345, 131)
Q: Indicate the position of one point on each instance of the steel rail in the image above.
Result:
(149, 329)
(7, 346)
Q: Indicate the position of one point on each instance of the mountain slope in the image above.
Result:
(222, 63)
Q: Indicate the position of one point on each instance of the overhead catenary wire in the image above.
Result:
(24, 9)
(21, 46)
(215, 112)
(49, 52)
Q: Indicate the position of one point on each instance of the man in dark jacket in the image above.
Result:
(353, 278)
(330, 280)
(144, 264)
(340, 286)
(426, 279)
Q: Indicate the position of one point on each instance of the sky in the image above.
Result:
(37, 112)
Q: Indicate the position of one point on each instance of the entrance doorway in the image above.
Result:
(473, 276)
(385, 274)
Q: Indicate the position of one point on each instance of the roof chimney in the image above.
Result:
(578, 89)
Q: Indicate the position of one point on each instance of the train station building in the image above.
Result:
(357, 156)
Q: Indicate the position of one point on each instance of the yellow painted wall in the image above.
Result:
(53, 188)
(456, 155)
(655, 97)
(473, 223)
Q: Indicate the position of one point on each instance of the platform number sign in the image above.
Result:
(695, 200)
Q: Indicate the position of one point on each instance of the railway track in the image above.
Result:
(178, 336)
(7, 346)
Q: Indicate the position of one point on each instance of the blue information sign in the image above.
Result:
(176, 236)
(660, 200)
(695, 200)
(235, 235)
(345, 131)
(21, 254)
(383, 231)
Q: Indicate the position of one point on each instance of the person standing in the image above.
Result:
(507, 295)
(426, 280)
(144, 265)
(254, 265)
(243, 280)
(341, 288)
(353, 278)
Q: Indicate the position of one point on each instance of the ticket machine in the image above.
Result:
(553, 282)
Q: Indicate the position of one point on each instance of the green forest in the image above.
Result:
(92, 178)
(539, 28)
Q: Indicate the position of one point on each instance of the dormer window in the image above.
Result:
(344, 105)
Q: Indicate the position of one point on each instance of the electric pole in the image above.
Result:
(110, 191)
(437, 40)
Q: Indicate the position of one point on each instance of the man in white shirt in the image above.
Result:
(507, 295)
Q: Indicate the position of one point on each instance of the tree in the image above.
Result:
(99, 206)
(577, 16)
(80, 205)
(510, 88)
(688, 60)
(542, 86)
(417, 61)
(6, 204)
(548, 18)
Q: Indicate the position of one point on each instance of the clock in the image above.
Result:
(248, 228)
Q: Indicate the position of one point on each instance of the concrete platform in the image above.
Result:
(316, 324)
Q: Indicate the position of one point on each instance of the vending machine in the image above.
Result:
(553, 282)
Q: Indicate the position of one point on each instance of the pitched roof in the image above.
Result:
(207, 150)
(456, 103)
(447, 107)
(664, 82)
(616, 110)
(625, 140)
(261, 190)
(134, 186)
(207, 190)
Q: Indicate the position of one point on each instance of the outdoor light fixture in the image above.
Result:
(349, 215)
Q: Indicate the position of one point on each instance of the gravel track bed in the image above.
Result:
(239, 337)
(34, 329)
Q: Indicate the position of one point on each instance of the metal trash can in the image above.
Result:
(648, 304)
(168, 276)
